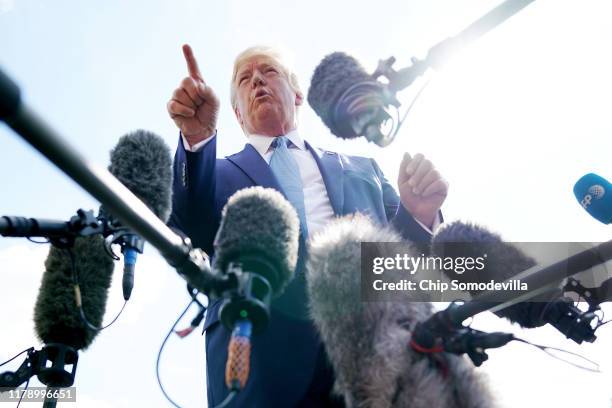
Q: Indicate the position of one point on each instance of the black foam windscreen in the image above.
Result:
(141, 160)
(56, 316)
(332, 78)
(504, 261)
(259, 223)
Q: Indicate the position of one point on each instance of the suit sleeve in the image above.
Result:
(397, 215)
(193, 194)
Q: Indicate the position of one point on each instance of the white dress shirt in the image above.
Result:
(316, 201)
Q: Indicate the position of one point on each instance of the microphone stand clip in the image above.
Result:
(58, 374)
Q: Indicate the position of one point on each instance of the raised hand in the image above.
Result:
(194, 107)
(422, 189)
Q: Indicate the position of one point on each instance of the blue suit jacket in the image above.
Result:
(283, 357)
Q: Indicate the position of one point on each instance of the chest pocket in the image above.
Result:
(369, 178)
(363, 193)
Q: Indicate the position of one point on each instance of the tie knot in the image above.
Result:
(279, 141)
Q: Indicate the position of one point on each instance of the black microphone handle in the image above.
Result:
(127, 283)
(11, 226)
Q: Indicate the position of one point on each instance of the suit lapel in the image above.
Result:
(331, 170)
(255, 167)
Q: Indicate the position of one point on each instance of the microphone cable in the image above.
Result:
(78, 298)
(161, 349)
(27, 384)
(77, 289)
(400, 122)
(549, 350)
(356, 98)
(181, 333)
(193, 293)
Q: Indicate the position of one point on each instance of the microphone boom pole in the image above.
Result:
(538, 279)
(103, 186)
(403, 78)
(448, 323)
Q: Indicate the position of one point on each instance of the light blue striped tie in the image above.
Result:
(286, 170)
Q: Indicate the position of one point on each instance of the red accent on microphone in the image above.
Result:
(185, 332)
(417, 347)
(438, 359)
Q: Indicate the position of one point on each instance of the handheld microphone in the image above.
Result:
(257, 245)
(350, 102)
(368, 342)
(141, 160)
(594, 193)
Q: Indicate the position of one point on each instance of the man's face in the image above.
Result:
(265, 101)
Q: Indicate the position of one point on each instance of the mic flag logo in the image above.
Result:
(597, 191)
(594, 192)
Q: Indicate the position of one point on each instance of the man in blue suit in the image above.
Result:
(289, 367)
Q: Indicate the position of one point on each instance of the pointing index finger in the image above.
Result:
(192, 64)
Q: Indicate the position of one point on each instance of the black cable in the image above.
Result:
(24, 391)
(227, 399)
(546, 348)
(37, 242)
(601, 318)
(601, 324)
(232, 393)
(193, 292)
(92, 327)
(75, 280)
(12, 358)
(27, 382)
(162, 349)
(400, 122)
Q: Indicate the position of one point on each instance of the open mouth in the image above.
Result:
(261, 93)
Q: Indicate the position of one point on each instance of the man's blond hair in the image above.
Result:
(263, 51)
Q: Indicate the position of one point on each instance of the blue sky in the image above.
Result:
(512, 123)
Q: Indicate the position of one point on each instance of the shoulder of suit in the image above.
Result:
(231, 156)
(342, 155)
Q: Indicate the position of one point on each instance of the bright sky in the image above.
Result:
(512, 124)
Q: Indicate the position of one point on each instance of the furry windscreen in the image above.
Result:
(56, 317)
(141, 160)
(259, 221)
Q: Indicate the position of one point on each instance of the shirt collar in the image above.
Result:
(262, 143)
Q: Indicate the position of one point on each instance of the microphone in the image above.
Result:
(504, 261)
(141, 160)
(56, 319)
(368, 342)
(57, 314)
(353, 103)
(594, 193)
(257, 246)
(350, 102)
